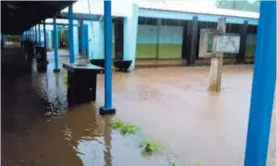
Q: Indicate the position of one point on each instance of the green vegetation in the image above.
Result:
(239, 5)
(149, 146)
(124, 128)
(65, 79)
(172, 163)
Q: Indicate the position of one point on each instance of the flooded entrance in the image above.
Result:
(171, 106)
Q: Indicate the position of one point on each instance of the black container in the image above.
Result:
(122, 65)
(41, 58)
(99, 62)
(28, 49)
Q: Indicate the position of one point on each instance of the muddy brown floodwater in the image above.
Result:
(171, 106)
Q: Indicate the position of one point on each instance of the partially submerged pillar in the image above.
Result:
(217, 59)
(159, 24)
(130, 35)
(240, 58)
(192, 41)
(108, 107)
(56, 45)
(189, 41)
(185, 41)
(119, 38)
(71, 36)
(263, 87)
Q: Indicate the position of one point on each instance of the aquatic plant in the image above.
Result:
(65, 79)
(124, 128)
(149, 146)
(172, 163)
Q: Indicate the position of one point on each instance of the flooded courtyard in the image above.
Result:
(171, 106)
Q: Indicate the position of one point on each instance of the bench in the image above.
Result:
(82, 81)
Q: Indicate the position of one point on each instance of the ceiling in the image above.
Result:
(19, 16)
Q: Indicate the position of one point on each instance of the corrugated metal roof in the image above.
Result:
(186, 8)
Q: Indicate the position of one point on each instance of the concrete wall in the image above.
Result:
(165, 42)
(96, 39)
(162, 42)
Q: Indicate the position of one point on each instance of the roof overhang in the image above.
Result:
(19, 16)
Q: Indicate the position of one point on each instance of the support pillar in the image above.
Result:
(71, 36)
(80, 36)
(39, 35)
(36, 35)
(119, 38)
(185, 41)
(240, 58)
(3, 39)
(85, 40)
(49, 39)
(193, 43)
(56, 45)
(263, 87)
(44, 36)
(130, 36)
(108, 107)
(159, 24)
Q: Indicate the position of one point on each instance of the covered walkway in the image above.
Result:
(171, 107)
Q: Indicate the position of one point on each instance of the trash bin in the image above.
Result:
(28, 47)
(41, 58)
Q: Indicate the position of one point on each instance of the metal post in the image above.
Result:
(108, 108)
(39, 35)
(263, 87)
(71, 39)
(56, 45)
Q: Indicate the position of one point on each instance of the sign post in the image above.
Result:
(221, 42)
(217, 58)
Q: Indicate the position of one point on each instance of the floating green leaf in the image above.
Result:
(65, 79)
(124, 128)
(149, 146)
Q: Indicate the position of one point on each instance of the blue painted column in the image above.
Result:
(36, 35)
(44, 35)
(85, 39)
(130, 35)
(56, 45)
(108, 108)
(71, 36)
(263, 88)
(39, 35)
(3, 39)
